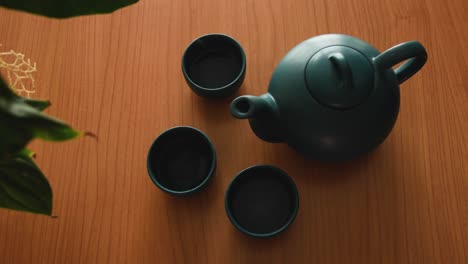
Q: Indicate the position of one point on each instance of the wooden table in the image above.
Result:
(119, 76)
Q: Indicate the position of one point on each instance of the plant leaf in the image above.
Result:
(21, 121)
(66, 8)
(9, 94)
(39, 105)
(23, 186)
(27, 152)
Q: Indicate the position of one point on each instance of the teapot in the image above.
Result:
(333, 97)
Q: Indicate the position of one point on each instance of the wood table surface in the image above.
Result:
(120, 77)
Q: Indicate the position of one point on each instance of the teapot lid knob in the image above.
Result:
(339, 77)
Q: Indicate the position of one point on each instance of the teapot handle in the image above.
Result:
(412, 51)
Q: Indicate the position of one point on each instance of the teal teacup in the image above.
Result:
(214, 65)
(262, 201)
(181, 161)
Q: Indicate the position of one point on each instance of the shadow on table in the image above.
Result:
(346, 209)
(188, 221)
(217, 109)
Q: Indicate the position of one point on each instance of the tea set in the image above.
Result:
(332, 98)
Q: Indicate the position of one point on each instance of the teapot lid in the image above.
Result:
(339, 77)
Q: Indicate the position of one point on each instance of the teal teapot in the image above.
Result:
(332, 97)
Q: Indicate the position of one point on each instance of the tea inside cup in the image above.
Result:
(181, 160)
(262, 201)
(214, 65)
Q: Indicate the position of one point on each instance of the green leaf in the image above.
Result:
(23, 187)
(21, 120)
(66, 8)
(7, 93)
(28, 153)
(39, 105)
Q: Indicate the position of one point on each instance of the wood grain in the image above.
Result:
(119, 76)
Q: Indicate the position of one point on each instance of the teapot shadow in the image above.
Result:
(323, 172)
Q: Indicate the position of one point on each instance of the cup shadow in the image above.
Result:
(216, 108)
(260, 249)
(187, 219)
(214, 115)
(195, 203)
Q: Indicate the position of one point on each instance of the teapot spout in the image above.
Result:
(248, 106)
(262, 113)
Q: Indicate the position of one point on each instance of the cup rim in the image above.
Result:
(227, 86)
(207, 178)
(291, 219)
